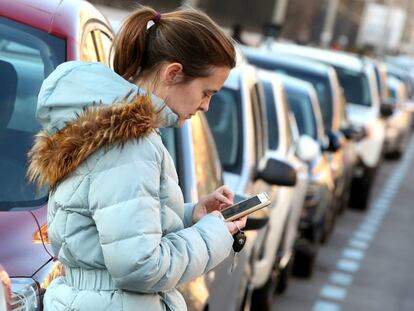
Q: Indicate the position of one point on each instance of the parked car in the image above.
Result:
(34, 39)
(399, 124)
(317, 219)
(364, 108)
(324, 80)
(238, 120)
(199, 170)
(5, 291)
(403, 74)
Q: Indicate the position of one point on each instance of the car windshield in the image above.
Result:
(27, 56)
(355, 85)
(223, 118)
(301, 106)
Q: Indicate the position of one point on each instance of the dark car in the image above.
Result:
(35, 37)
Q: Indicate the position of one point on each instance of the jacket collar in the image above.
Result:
(54, 156)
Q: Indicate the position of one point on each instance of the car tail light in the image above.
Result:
(5, 290)
(24, 295)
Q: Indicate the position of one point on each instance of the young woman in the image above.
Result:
(117, 220)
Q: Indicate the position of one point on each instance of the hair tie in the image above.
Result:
(157, 17)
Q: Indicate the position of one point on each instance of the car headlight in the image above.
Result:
(24, 295)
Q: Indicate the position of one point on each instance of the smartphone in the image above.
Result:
(245, 207)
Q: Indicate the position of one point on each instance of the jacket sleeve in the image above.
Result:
(125, 205)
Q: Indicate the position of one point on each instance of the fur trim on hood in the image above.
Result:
(54, 156)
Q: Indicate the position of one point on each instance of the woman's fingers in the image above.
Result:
(222, 198)
(236, 225)
(226, 192)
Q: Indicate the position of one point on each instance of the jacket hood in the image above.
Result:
(84, 106)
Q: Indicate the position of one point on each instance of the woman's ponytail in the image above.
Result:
(129, 44)
(186, 36)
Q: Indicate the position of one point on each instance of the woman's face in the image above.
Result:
(186, 98)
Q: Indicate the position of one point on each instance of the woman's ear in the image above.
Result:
(173, 73)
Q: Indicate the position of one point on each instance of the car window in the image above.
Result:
(224, 119)
(356, 86)
(272, 124)
(301, 106)
(28, 56)
(208, 169)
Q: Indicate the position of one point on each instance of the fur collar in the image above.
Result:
(53, 157)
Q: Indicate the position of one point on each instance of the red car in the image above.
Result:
(35, 37)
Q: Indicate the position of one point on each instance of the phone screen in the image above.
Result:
(240, 207)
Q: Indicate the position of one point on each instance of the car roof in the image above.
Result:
(287, 60)
(334, 58)
(57, 17)
(295, 84)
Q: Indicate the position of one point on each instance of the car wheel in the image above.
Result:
(283, 277)
(361, 189)
(328, 222)
(262, 298)
(305, 258)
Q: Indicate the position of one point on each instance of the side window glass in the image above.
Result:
(225, 123)
(89, 50)
(208, 170)
(27, 56)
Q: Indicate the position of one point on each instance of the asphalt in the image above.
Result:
(368, 262)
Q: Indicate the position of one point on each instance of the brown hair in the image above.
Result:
(186, 36)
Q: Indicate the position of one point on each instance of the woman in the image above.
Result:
(116, 217)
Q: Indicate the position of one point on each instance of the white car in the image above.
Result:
(238, 120)
(364, 108)
(398, 125)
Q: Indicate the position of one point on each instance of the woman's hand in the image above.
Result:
(215, 201)
(235, 225)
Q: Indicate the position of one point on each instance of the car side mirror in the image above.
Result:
(256, 220)
(387, 107)
(308, 149)
(355, 133)
(277, 172)
(334, 142)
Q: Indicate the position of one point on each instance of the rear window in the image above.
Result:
(27, 57)
(356, 87)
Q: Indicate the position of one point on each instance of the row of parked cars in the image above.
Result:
(307, 126)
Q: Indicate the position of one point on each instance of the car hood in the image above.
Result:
(18, 254)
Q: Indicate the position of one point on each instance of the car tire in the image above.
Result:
(284, 276)
(262, 298)
(361, 189)
(305, 258)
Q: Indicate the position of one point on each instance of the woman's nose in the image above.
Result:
(204, 105)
